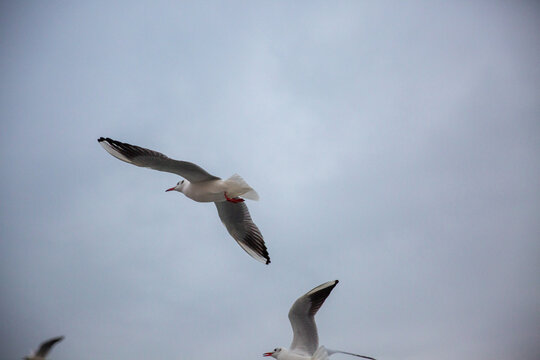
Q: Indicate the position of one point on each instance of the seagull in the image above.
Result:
(201, 186)
(305, 344)
(44, 349)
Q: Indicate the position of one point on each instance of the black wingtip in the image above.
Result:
(109, 140)
(58, 338)
(268, 261)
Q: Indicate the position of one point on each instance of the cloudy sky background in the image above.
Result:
(395, 147)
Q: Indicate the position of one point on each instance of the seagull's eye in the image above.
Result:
(275, 349)
(182, 181)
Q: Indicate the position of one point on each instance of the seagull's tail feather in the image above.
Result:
(239, 187)
(330, 352)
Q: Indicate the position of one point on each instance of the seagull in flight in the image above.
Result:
(305, 344)
(44, 349)
(201, 186)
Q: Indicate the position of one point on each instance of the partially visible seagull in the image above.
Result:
(44, 349)
(201, 186)
(305, 344)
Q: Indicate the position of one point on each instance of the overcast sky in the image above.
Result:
(394, 145)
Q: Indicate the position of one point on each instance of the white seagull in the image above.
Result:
(201, 186)
(305, 344)
(44, 349)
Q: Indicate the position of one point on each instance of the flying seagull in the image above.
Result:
(201, 186)
(305, 344)
(44, 349)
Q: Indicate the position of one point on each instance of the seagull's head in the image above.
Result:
(274, 353)
(178, 186)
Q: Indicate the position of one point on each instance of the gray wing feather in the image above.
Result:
(330, 352)
(46, 346)
(302, 318)
(236, 218)
(155, 160)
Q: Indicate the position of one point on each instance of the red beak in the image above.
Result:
(171, 189)
(268, 354)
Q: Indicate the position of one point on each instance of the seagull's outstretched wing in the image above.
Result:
(236, 218)
(46, 346)
(152, 159)
(323, 353)
(330, 352)
(302, 318)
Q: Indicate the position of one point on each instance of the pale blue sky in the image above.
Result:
(394, 146)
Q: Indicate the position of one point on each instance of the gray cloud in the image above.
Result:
(394, 146)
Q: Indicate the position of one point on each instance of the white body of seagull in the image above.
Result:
(201, 186)
(44, 349)
(305, 344)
